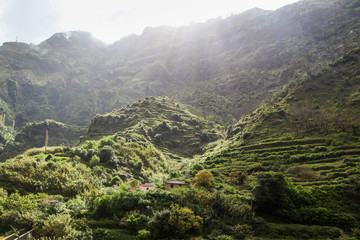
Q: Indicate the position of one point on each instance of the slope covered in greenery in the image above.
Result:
(274, 177)
(160, 120)
(287, 170)
(33, 135)
(309, 133)
(224, 68)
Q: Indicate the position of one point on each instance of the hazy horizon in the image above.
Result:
(34, 21)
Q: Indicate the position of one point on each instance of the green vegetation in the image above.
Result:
(223, 68)
(167, 124)
(33, 135)
(301, 161)
(288, 169)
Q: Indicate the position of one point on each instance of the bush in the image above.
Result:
(204, 178)
(76, 206)
(95, 160)
(106, 154)
(159, 225)
(184, 220)
(143, 234)
(57, 226)
(90, 144)
(237, 178)
(107, 141)
(115, 180)
(241, 231)
(136, 222)
(297, 231)
(275, 192)
(302, 171)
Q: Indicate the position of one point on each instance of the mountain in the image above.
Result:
(156, 106)
(309, 132)
(223, 68)
(160, 120)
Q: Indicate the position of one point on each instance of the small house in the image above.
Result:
(147, 186)
(174, 184)
(143, 187)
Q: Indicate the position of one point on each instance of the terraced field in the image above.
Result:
(312, 161)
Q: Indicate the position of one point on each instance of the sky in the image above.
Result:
(33, 21)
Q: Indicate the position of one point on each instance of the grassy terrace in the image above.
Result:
(306, 161)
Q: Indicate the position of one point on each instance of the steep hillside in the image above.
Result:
(311, 119)
(162, 121)
(33, 136)
(226, 67)
(274, 177)
(223, 68)
(310, 133)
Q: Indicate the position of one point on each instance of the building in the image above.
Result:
(174, 184)
(147, 186)
(143, 187)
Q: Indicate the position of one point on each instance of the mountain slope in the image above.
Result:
(223, 68)
(33, 136)
(309, 133)
(162, 121)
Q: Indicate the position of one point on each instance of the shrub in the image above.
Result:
(115, 180)
(136, 222)
(237, 178)
(143, 234)
(57, 226)
(95, 160)
(274, 192)
(241, 231)
(204, 178)
(302, 171)
(90, 144)
(106, 154)
(159, 225)
(197, 166)
(76, 206)
(184, 220)
(107, 141)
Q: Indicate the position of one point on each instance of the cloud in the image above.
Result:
(30, 21)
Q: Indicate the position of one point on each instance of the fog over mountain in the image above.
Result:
(35, 20)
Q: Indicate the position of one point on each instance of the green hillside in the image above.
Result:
(160, 120)
(309, 133)
(223, 68)
(254, 118)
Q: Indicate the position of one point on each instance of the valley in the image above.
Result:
(255, 115)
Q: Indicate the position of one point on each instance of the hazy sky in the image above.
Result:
(109, 20)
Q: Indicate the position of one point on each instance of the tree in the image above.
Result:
(184, 220)
(106, 154)
(276, 192)
(204, 178)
